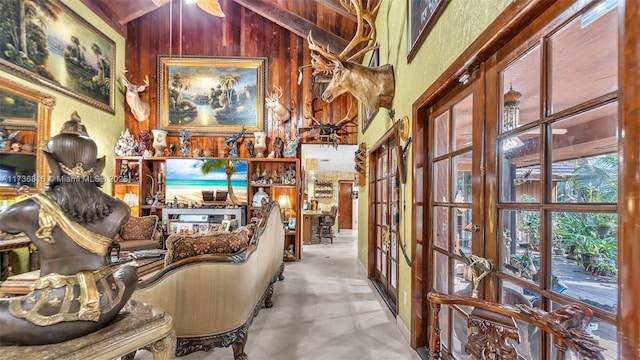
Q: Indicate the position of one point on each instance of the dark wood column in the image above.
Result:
(629, 201)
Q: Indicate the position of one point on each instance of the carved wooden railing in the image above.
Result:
(491, 324)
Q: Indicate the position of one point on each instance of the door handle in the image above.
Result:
(475, 228)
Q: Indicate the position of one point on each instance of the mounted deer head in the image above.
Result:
(280, 112)
(374, 87)
(139, 108)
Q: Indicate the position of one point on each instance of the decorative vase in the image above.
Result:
(261, 143)
(159, 141)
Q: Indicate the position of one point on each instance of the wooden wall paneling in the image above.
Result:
(241, 33)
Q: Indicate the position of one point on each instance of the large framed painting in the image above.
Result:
(421, 17)
(211, 95)
(46, 43)
(368, 115)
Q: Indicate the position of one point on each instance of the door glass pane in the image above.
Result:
(589, 48)
(519, 159)
(440, 272)
(462, 123)
(463, 280)
(521, 89)
(462, 227)
(441, 227)
(440, 181)
(462, 178)
(522, 256)
(588, 271)
(441, 135)
(585, 161)
(459, 335)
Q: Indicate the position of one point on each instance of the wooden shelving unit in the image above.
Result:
(133, 174)
(279, 177)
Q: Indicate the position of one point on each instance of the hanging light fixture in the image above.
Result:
(511, 111)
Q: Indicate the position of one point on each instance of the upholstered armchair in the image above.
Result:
(140, 233)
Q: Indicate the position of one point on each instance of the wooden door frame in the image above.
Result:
(507, 25)
(371, 241)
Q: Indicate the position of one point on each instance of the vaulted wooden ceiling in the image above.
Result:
(332, 25)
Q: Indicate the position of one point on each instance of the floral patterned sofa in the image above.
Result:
(213, 285)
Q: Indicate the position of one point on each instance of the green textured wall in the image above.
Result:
(460, 24)
(104, 128)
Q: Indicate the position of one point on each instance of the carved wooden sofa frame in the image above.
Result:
(213, 298)
(491, 324)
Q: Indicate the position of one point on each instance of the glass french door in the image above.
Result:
(454, 147)
(386, 186)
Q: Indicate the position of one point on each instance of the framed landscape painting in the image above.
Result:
(421, 17)
(58, 49)
(211, 95)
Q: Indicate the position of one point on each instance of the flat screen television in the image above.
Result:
(185, 181)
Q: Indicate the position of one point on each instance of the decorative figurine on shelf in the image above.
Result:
(125, 172)
(291, 145)
(289, 177)
(278, 146)
(232, 143)
(5, 138)
(144, 141)
(73, 224)
(259, 197)
(184, 143)
(250, 148)
(126, 144)
(172, 149)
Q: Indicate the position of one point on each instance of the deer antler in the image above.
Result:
(322, 58)
(308, 113)
(348, 118)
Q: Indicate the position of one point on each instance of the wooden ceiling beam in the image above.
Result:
(336, 7)
(294, 23)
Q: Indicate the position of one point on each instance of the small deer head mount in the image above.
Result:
(139, 108)
(280, 112)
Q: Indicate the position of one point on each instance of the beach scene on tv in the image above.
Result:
(187, 178)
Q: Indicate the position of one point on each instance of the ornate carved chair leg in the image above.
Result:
(238, 350)
(281, 272)
(267, 296)
(164, 349)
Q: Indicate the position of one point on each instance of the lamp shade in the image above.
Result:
(131, 199)
(285, 202)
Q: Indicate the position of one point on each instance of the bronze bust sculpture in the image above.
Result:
(72, 224)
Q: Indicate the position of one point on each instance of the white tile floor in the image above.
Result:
(325, 308)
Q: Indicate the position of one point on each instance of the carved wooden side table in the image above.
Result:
(137, 326)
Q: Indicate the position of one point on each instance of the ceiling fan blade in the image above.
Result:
(211, 6)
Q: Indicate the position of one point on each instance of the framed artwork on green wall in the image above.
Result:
(421, 17)
(46, 43)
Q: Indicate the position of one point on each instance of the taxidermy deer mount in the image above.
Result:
(328, 133)
(139, 108)
(280, 112)
(374, 87)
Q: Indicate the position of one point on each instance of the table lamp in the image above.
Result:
(285, 204)
(131, 199)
